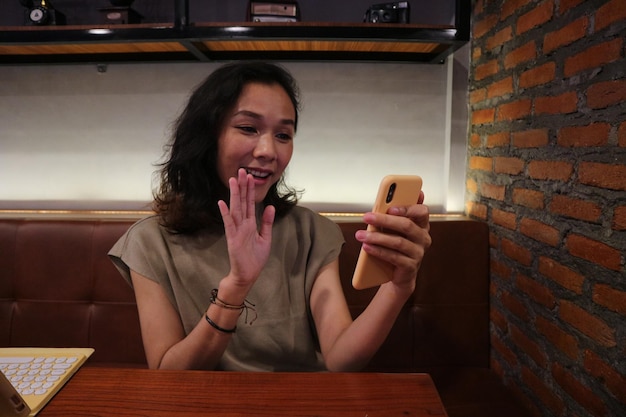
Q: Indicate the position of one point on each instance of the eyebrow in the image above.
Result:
(254, 115)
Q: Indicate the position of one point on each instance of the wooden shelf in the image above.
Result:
(203, 42)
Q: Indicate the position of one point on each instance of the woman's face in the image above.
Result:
(258, 136)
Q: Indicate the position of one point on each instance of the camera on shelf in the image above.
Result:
(41, 13)
(396, 12)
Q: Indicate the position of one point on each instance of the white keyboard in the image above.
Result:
(39, 373)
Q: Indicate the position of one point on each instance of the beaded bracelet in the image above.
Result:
(218, 328)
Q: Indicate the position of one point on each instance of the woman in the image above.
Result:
(198, 265)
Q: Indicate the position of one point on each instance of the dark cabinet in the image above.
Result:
(189, 35)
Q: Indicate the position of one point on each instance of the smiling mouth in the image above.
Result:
(257, 173)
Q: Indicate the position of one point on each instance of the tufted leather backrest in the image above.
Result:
(446, 321)
(58, 288)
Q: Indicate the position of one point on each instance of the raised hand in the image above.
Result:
(248, 244)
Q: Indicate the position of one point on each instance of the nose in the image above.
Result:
(265, 148)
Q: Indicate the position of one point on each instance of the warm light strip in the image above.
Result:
(138, 214)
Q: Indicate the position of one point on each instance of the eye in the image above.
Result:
(247, 129)
(284, 137)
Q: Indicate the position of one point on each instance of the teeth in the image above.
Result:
(258, 174)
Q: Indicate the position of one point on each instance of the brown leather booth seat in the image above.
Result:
(58, 288)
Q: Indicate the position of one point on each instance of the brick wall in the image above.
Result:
(547, 171)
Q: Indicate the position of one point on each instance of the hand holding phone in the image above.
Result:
(394, 190)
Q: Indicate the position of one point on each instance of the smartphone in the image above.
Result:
(394, 190)
(11, 402)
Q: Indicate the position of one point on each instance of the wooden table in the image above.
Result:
(140, 392)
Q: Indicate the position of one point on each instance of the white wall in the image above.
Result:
(72, 137)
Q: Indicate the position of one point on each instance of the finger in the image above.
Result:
(418, 213)
(251, 196)
(229, 225)
(395, 250)
(267, 221)
(235, 200)
(242, 180)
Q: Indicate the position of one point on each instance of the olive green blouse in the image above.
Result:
(188, 267)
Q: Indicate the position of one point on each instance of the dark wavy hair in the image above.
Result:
(190, 186)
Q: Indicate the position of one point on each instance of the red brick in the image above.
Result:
(483, 116)
(476, 210)
(575, 208)
(505, 219)
(541, 14)
(492, 191)
(506, 353)
(609, 13)
(471, 186)
(582, 394)
(601, 175)
(540, 231)
(477, 52)
(562, 275)
(477, 96)
(524, 53)
(542, 74)
(538, 292)
(500, 88)
(498, 139)
(619, 218)
(478, 8)
(496, 366)
(516, 252)
(482, 26)
(474, 140)
(565, 5)
(610, 377)
(534, 138)
(562, 340)
(498, 320)
(499, 269)
(566, 35)
(562, 104)
(511, 166)
(485, 70)
(550, 170)
(500, 38)
(528, 198)
(593, 57)
(595, 134)
(511, 6)
(547, 396)
(609, 297)
(528, 346)
(514, 305)
(607, 93)
(621, 135)
(481, 163)
(594, 251)
(587, 323)
(494, 240)
(514, 110)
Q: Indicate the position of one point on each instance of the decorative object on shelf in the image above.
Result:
(273, 11)
(120, 13)
(396, 12)
(41, 13)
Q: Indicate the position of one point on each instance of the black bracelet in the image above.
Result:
(218, 328)
(246, 306)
